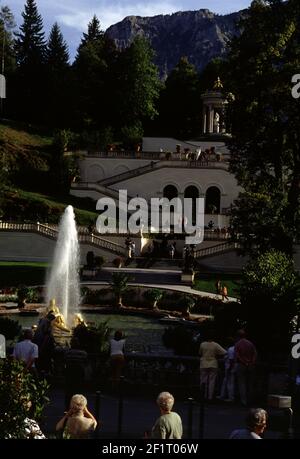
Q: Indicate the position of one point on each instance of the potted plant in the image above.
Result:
(186, 303)
(119, 285)
(153, 295)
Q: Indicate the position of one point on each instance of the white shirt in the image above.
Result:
(26, 350)
(33, 430)
(116, 347)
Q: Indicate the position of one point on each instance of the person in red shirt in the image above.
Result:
(246, 356)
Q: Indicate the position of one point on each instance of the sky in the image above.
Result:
(74, 15)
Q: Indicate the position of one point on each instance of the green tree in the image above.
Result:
(21, 396)
(186, 303)
(61, 165)
(264, 118)
(57, 55)
(138, 85)
(93, 80)
(7, 25)
(216, 68)
(94, 32)
(256, 222)
(30, 52)
(58, 78)
(269, 295)
(8, 59)
(154, 295)
(179, 102)
(119, 285)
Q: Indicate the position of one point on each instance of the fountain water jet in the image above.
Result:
(63, 282)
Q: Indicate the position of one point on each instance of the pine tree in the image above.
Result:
(30, 52)
(96, 56)
(94, 32)
(30, 44)
(57, 79)
(57, 55)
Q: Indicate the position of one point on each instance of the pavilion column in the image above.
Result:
(211, 119)
(204, 115)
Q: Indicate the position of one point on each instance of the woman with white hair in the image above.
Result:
(78, 422)
(169, 424)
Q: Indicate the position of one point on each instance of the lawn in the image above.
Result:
(37, 206)
(13, 274)
(208, 284)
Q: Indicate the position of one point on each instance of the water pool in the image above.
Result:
(143, 334)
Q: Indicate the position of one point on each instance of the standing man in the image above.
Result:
(246, 356)
(27, 352)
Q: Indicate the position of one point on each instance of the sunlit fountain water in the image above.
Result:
(63, 281)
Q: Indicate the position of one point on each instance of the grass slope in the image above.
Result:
(26, 150)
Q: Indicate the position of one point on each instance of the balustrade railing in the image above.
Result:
(215, 249)
(52, 232)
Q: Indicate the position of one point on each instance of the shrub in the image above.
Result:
(93, 339)
(269, 299)
(153, 295)
(17, 388)
(186, 303)
(8, 298)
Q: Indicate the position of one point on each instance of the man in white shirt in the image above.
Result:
(27, 351)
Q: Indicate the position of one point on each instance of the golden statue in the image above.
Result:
(52, 307)
(79, 320)
(218, 84)
(58, 323)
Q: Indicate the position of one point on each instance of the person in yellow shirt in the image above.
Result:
(209, 352)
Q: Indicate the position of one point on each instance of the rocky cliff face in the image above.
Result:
(200, 35)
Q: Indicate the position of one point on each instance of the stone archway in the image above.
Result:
(170, 192)
(192, 192)
(213, 200)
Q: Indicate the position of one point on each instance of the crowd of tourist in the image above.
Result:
(78, 422)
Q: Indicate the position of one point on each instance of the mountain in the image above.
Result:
(200, 35)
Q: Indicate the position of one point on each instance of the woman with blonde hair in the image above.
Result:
(78, 422)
